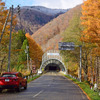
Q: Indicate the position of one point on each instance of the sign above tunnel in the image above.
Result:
(66, 46)
(53, 54)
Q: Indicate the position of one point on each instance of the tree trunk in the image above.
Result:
(98, 74)
(85, 73)
(2, 61)
(91, 69)
(96, 70)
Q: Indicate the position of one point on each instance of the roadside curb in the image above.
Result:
(35, 78)
(83, 91)
(80, 88)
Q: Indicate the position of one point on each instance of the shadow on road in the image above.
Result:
(11, 91)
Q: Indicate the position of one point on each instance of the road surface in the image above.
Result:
(50, 86)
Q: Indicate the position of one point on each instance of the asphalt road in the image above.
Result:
(50, 86)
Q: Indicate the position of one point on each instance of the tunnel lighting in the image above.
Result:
(54, 54)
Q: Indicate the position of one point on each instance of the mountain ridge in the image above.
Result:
(51, 33)
(31, 20)
(45, 10)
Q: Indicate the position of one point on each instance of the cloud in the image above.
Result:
(63, 4)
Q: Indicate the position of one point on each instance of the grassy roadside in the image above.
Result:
(33, 78)
(86, 89)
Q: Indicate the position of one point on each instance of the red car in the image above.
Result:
(11, 80)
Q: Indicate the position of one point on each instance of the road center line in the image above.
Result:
(37, 94)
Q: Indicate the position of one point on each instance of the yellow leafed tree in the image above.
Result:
(91, 21)
(5, 39)
(35, 51)
(91, 32)
(3, 16)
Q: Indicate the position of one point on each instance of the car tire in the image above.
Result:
(25, 86)
(0, 90)
(19, 88)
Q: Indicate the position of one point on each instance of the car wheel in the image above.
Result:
(0, 90)
(19, 88)
(25, 86)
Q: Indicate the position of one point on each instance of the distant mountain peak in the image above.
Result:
(34, 17)
(45, 10)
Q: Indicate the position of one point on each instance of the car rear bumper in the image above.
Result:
(8, 86)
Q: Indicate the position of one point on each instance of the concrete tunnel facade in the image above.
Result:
(52, 61)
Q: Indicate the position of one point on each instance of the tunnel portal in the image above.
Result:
(52, 61)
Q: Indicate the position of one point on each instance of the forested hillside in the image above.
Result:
(31, 18)
(19, 44)
(50, 34)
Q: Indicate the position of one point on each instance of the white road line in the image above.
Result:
(37, 94)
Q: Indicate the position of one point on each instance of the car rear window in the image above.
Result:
(8, 75)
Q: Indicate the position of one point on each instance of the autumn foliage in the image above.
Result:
(3, 16)
(91, 21)
(91, 35)
(35, 51)
(5, 39)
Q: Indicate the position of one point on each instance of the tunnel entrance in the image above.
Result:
(52, 67)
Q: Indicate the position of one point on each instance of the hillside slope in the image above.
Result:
(50, 34)
(34, 17)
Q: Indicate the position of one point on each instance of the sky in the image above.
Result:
(58, 4)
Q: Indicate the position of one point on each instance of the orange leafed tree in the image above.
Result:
(3, 16)
(91, 21)
(35, 51)
(91, 32)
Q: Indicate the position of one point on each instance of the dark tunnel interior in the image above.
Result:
(52, 67)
